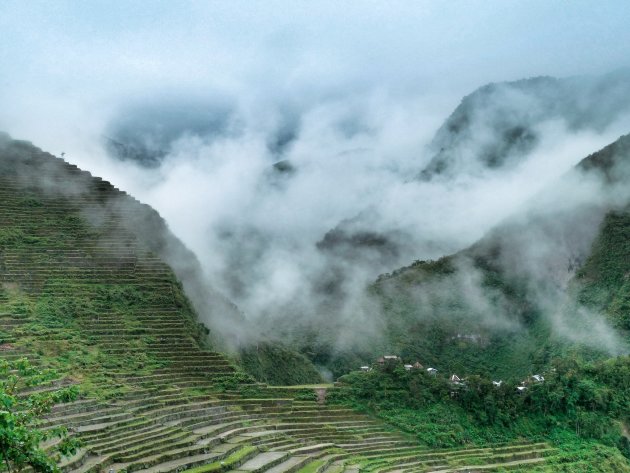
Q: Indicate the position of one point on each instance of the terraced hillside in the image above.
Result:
(84, 293)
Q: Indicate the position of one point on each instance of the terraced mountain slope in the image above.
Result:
(533, 288)
(85, 294)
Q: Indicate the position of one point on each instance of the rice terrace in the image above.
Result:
(314, 238)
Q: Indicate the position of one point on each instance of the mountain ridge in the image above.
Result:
(87, 297)
(512, 266)
(495, 126)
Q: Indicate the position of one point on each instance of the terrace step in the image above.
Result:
(334, 467)
(490, 467)
(165, 417)
(263, 461)
(174, 454)
(184, 463)
(294, 463)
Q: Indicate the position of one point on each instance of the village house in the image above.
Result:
(537, 378)
(387, 359)
(432, 371)
(471, 338)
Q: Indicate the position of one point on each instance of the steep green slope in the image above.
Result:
(71, 262)
(522, 295)
(604, 280)
(577, 407)
(545, 292)
(94, 213)
(276, 365)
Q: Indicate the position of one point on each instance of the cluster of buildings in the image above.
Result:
(455, 380)
(396, 359)
(537, 378)
(383, 360)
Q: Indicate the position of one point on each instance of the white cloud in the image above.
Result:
(364, 86)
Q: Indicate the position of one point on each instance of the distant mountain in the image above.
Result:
(495, 127)
(498, 124)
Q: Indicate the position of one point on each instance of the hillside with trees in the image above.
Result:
(125, 377)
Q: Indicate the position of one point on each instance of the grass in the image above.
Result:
(312, 467)
(602, 281)
(278, 365)
(231, 462)
(335, 469)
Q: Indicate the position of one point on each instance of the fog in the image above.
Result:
(284, 144)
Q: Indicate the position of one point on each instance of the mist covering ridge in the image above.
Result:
(294, 207)
(516, 298)
(513, 291)
(229, 213)
(499, 124)
(295, 243)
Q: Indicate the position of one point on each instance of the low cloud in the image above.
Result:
(297, 246)
(190, 108)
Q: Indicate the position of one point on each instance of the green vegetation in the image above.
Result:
(230, 463)
(312, 467)
(576, 404)
(22, 404)
(432, 317)
(492, 309)
(583, 457)
(93, 307)
(478, 312)
(603, 280)
(273, 364)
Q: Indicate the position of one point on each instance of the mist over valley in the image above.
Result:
(317, 238)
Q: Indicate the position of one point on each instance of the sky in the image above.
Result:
(359, 87)
(78, 59)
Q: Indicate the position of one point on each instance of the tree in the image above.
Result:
(22, 404)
